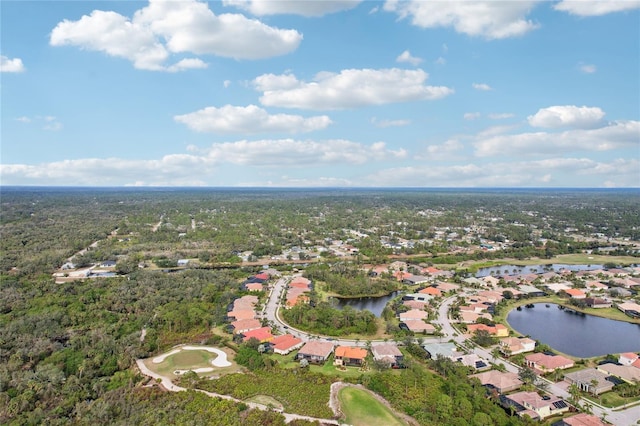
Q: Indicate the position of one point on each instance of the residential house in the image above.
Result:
(576, 293)
(491, 280)
(501, 381)
(415, 304)
(445, 349)
(447, 287)
(547, 363)
(241, 314)
(254, 287)
(471, 360)
(315, 351)
(285, 343)
(244, 325)
(388, 353)
(516, 345)
(471, 317)
(535, 406)
(263, 334)
(531, 291)
(628, 373)
(349, 355)
(414, 279)
(631, 309)
(418, 326)
(431, 291)
(581, 419)
(558, 287)
(628, 358)
(597, 302)
(413, 314)
(497, 330)
(590, 380)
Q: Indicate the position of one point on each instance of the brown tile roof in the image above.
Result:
(317, 348)
(351, 352)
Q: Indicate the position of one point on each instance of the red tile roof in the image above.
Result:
(351, 352)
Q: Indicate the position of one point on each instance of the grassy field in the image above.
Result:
(189, 360)
(362, 409)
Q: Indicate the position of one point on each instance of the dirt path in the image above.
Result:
(168, 385)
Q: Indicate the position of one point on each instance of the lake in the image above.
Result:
(578, 335)
(374, 304)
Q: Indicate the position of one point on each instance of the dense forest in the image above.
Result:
(67, 350)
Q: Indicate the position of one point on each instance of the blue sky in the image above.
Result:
(320, 93)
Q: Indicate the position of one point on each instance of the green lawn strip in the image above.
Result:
(362, 409)
(611, 399)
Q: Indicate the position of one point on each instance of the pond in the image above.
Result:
(374, 304)
(575, 334)
(533, 269)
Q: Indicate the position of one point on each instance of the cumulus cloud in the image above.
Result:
(249, 120)
(618, 134)
(482, 87)
(11, 65)
(292, 7)
(587, 68)
(164, 28)
(596, 7)
(488, 19)
(406, 57)
(567, 116)
(389, 123)
(349, 89)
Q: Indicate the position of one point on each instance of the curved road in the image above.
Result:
(625, 417)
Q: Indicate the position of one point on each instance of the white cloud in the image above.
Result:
(201, 165)
(619, 134)
(226, 83)
(596, 7)
(389, 123)
(48, 122)
(619, 172)
(290, 152)
(488, 19)
(441, 61)
(482, 86)
(587, 68)
(292, 7)
(163, 28)
(249, 120)
(11, 65)
(449, 147)
(23, 119)
(471, 115)
(349, 89)
(406, 57)
(567, 116)
(500, 116)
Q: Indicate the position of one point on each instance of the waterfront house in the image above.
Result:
(516, 345)
(628, 373)
(497, 330)
(628, 358)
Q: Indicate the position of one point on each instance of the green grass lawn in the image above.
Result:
(362, 409)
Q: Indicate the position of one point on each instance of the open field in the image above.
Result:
(363, 409)
(201, 359)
